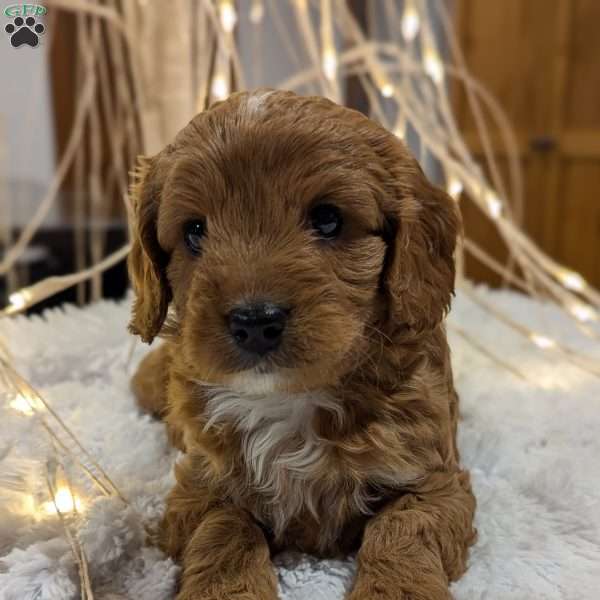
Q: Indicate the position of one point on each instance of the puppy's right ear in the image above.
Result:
(147, 260)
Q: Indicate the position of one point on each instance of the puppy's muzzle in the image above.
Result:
(257, 328)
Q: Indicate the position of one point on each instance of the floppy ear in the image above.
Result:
(423, 223)
(147, 260)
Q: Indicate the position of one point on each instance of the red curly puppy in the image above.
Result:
(299, 265)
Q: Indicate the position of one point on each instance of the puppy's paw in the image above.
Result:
(200, 595)
(390, 589)
(415, 574)
(230, 591)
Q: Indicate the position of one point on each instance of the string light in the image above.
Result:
(570, 279)
(227, 15)
(25, 404)
(21, 404)
(399, 129)
(400, 132)
(583, 313)
(386, 89)
(384, 85)
(220, 87)
(455, 187)
(494, 205)
(410, 22)
(330, 63)
(257, 12)
(18, 300)
(433, 65)
(541, 341)
(64, 501)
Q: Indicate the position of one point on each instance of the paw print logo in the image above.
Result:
(24, 31)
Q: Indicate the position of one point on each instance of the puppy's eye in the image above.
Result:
(193, 232)
(326, 220)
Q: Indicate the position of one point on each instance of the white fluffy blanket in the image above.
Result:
(533, 450)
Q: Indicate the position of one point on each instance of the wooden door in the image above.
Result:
(541, 60)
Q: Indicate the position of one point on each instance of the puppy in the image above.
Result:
(299, 265)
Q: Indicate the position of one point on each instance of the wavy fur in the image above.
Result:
(344, 439)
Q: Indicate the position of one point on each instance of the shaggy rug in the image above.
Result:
(533, 447)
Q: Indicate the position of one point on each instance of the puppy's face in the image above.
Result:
(288, 235)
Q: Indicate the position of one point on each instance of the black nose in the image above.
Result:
(257, 328)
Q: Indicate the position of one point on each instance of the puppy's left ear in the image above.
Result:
(147, 260)
(422, 223)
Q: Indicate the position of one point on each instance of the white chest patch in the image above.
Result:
(281, 449)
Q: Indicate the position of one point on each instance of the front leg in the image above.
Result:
(223, 553)
(418, 543)
(227, 558)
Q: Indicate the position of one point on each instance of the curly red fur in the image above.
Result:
(346, 439)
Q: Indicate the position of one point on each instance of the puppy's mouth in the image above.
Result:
(242, 362)
(257, 381)
(277, 367)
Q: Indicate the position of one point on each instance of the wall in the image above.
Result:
(27, 160)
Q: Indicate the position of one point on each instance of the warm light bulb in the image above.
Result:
(400, 131)
(329, 63)
(257, 12)
(220, 88)
(573, 281)
(542, 341)
(64, 501)
(387, 89)
(583, 313)
(22, 404)
(18, 300)
(410, 23)
(455, 187)
(228, 15)
(433, 65)
(494, 205)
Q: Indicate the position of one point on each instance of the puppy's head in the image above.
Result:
(286, 234)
